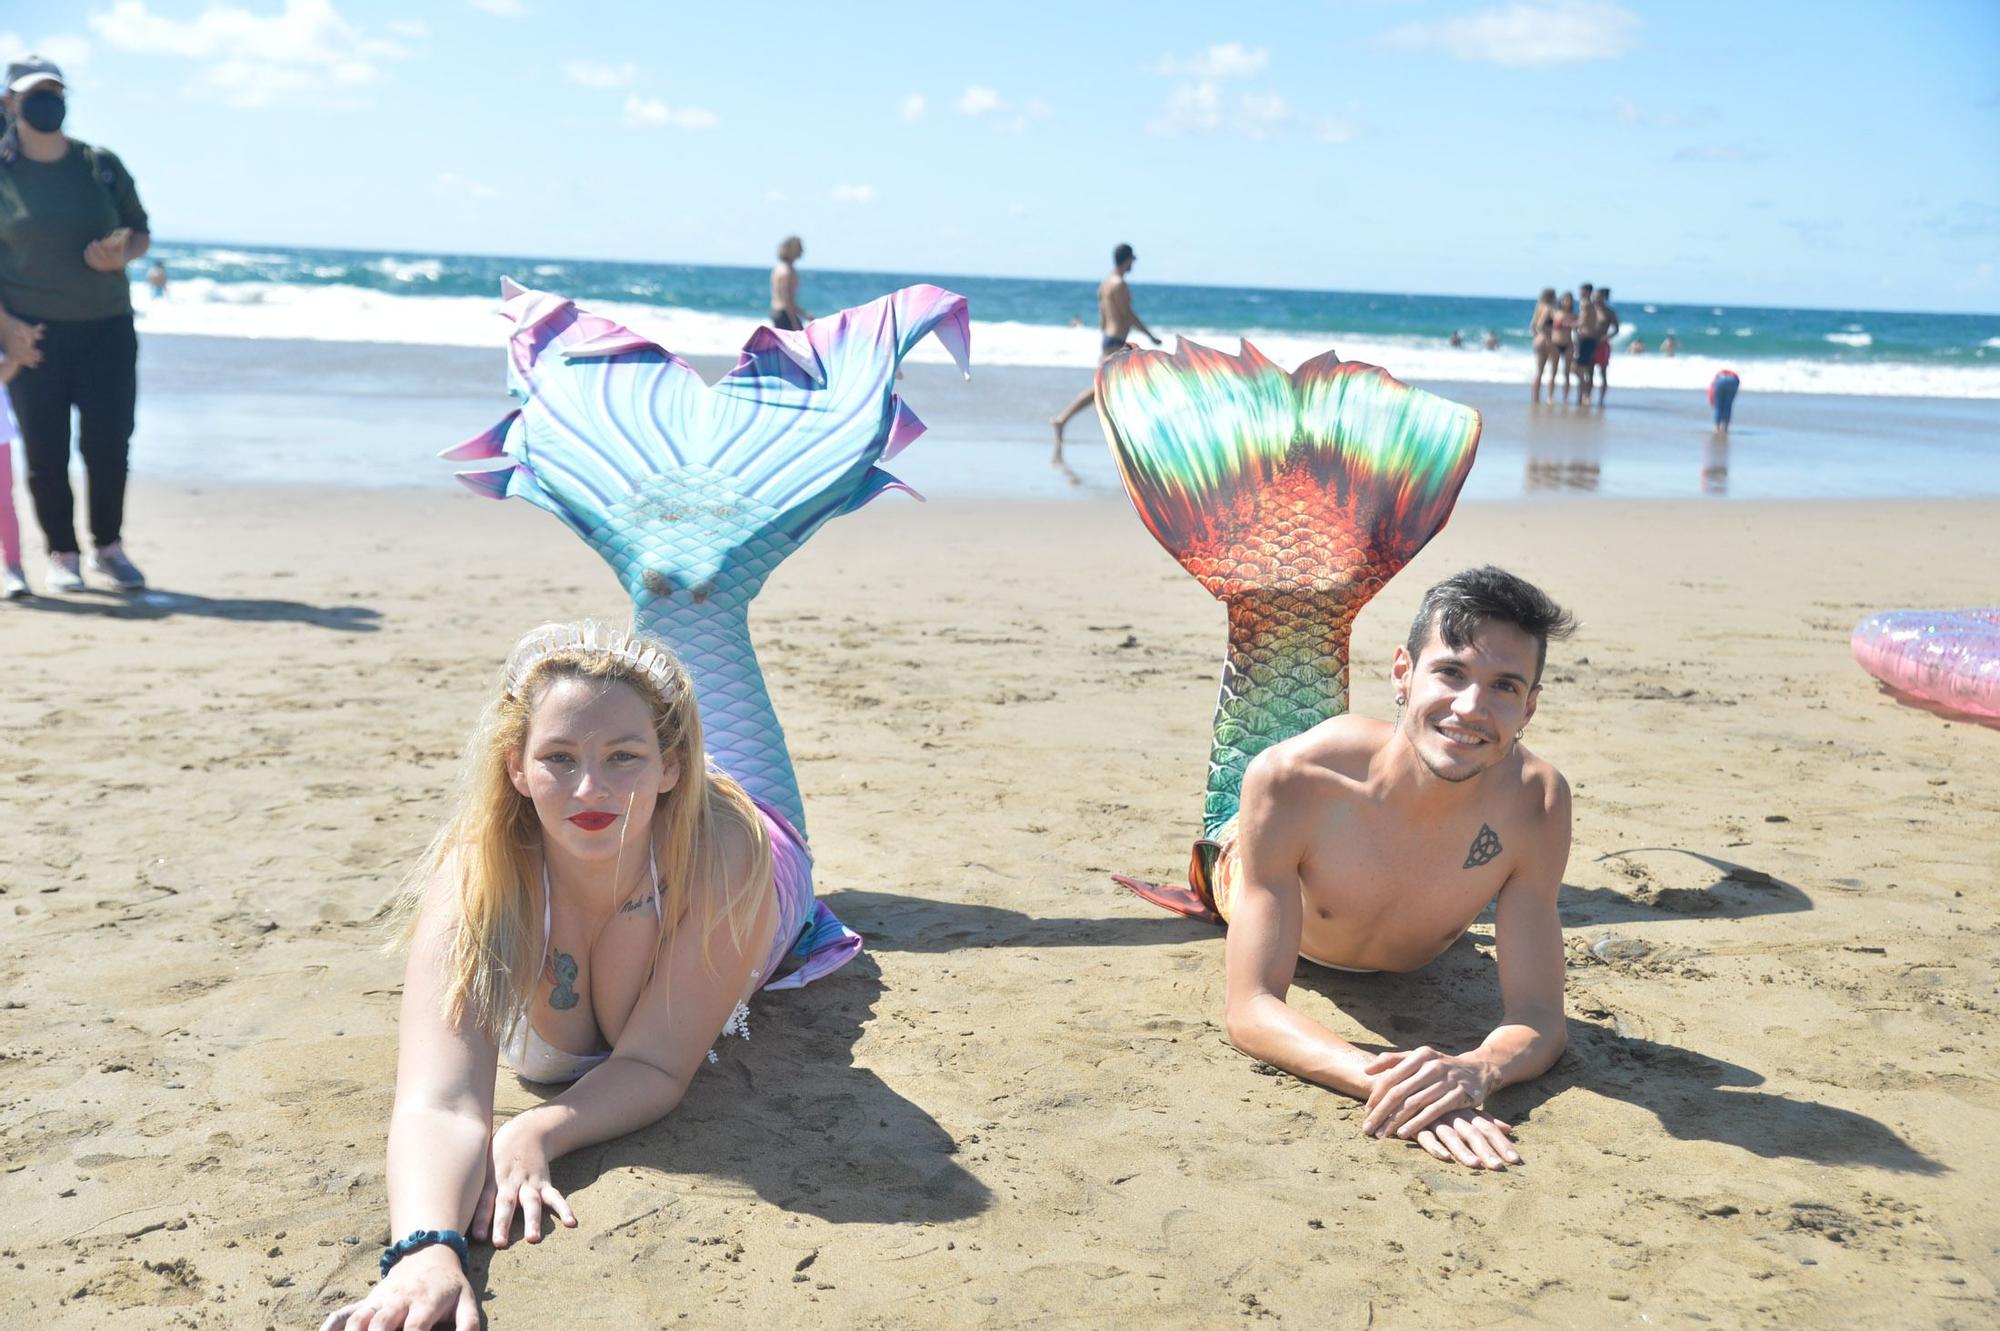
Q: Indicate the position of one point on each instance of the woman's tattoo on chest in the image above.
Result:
(1485, 848)
(563, 997)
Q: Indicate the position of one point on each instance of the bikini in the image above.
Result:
(808, 943)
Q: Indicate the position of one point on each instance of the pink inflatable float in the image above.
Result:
(1948, 657)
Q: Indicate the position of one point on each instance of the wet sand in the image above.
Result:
(362, 414)
(1016, 1109)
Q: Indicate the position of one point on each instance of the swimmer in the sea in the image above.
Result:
(1371, 846)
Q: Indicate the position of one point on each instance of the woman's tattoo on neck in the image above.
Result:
(563, 997)
(1485, 848)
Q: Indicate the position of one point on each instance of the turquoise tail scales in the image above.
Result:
(694, 494)
(1293, 499)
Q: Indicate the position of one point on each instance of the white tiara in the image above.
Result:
(643, 654)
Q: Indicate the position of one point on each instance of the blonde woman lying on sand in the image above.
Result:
(597, 888)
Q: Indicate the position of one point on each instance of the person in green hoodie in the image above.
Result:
(70, 220)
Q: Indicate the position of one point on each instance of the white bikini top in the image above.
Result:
(527, 1052)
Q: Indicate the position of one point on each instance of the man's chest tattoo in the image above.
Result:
(1485, 848)
(563, 997)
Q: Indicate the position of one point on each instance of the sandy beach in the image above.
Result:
(1017, 1109)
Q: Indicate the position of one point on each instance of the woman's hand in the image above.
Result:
(20, 341)
(428, 1288)
(517, 1179)
(107, 253)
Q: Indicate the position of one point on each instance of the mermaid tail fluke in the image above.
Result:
(1293, 499)
(692, 493)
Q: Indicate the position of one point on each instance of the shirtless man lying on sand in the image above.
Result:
(1367, 846)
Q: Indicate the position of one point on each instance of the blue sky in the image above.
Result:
(1779, 153)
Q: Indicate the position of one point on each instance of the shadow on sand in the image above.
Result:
(1937, 710)
(790, 1115)
(1738, 892)
(893, 923)
(1695, 1097)
(156, 604)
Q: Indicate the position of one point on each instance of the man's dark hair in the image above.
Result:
(1123, 254)
(1464, 601)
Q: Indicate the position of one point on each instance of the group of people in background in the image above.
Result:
(1572, 338)
(70, 221)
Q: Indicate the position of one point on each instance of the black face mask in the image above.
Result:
(44, 110)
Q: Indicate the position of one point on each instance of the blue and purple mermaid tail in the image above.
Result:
(694, 494)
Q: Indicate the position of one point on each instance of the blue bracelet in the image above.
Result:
(424, 1238)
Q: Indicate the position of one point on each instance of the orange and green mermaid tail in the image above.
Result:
(1293, 499)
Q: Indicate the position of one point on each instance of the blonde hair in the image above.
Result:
(490, 847)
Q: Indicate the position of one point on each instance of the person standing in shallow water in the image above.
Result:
(1541, 327)
(1116, 319)
(786, 313)
(70, 220)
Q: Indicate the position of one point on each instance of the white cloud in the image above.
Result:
(776, 196)
(251, 59)
(499, 8)
(977, 100)
(1258, 113)
(1204, 108)
(1201, 103)
(592, 74)
(914, 107)
(453, 185)
(1192, 106)
(852, 194)
(650, 111)
(414, 29)
(1527, 33)
(1231, 60)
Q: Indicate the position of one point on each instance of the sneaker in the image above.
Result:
(109, 561)
(63, 574)
(14, 586)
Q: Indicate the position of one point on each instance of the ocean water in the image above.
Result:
(236, 411)
(699, 310)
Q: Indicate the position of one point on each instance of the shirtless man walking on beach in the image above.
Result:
(1369, 846)
(1115, 320)
(785, 310)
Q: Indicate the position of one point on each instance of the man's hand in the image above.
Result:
(107, 253)
(1408, 1092)
(517, 1179)
(20, 341)
(1475, 1140)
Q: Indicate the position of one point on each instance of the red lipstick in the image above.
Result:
(593, 822)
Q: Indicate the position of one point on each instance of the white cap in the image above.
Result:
(29, 70)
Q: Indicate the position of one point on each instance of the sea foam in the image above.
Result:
(278, 310)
